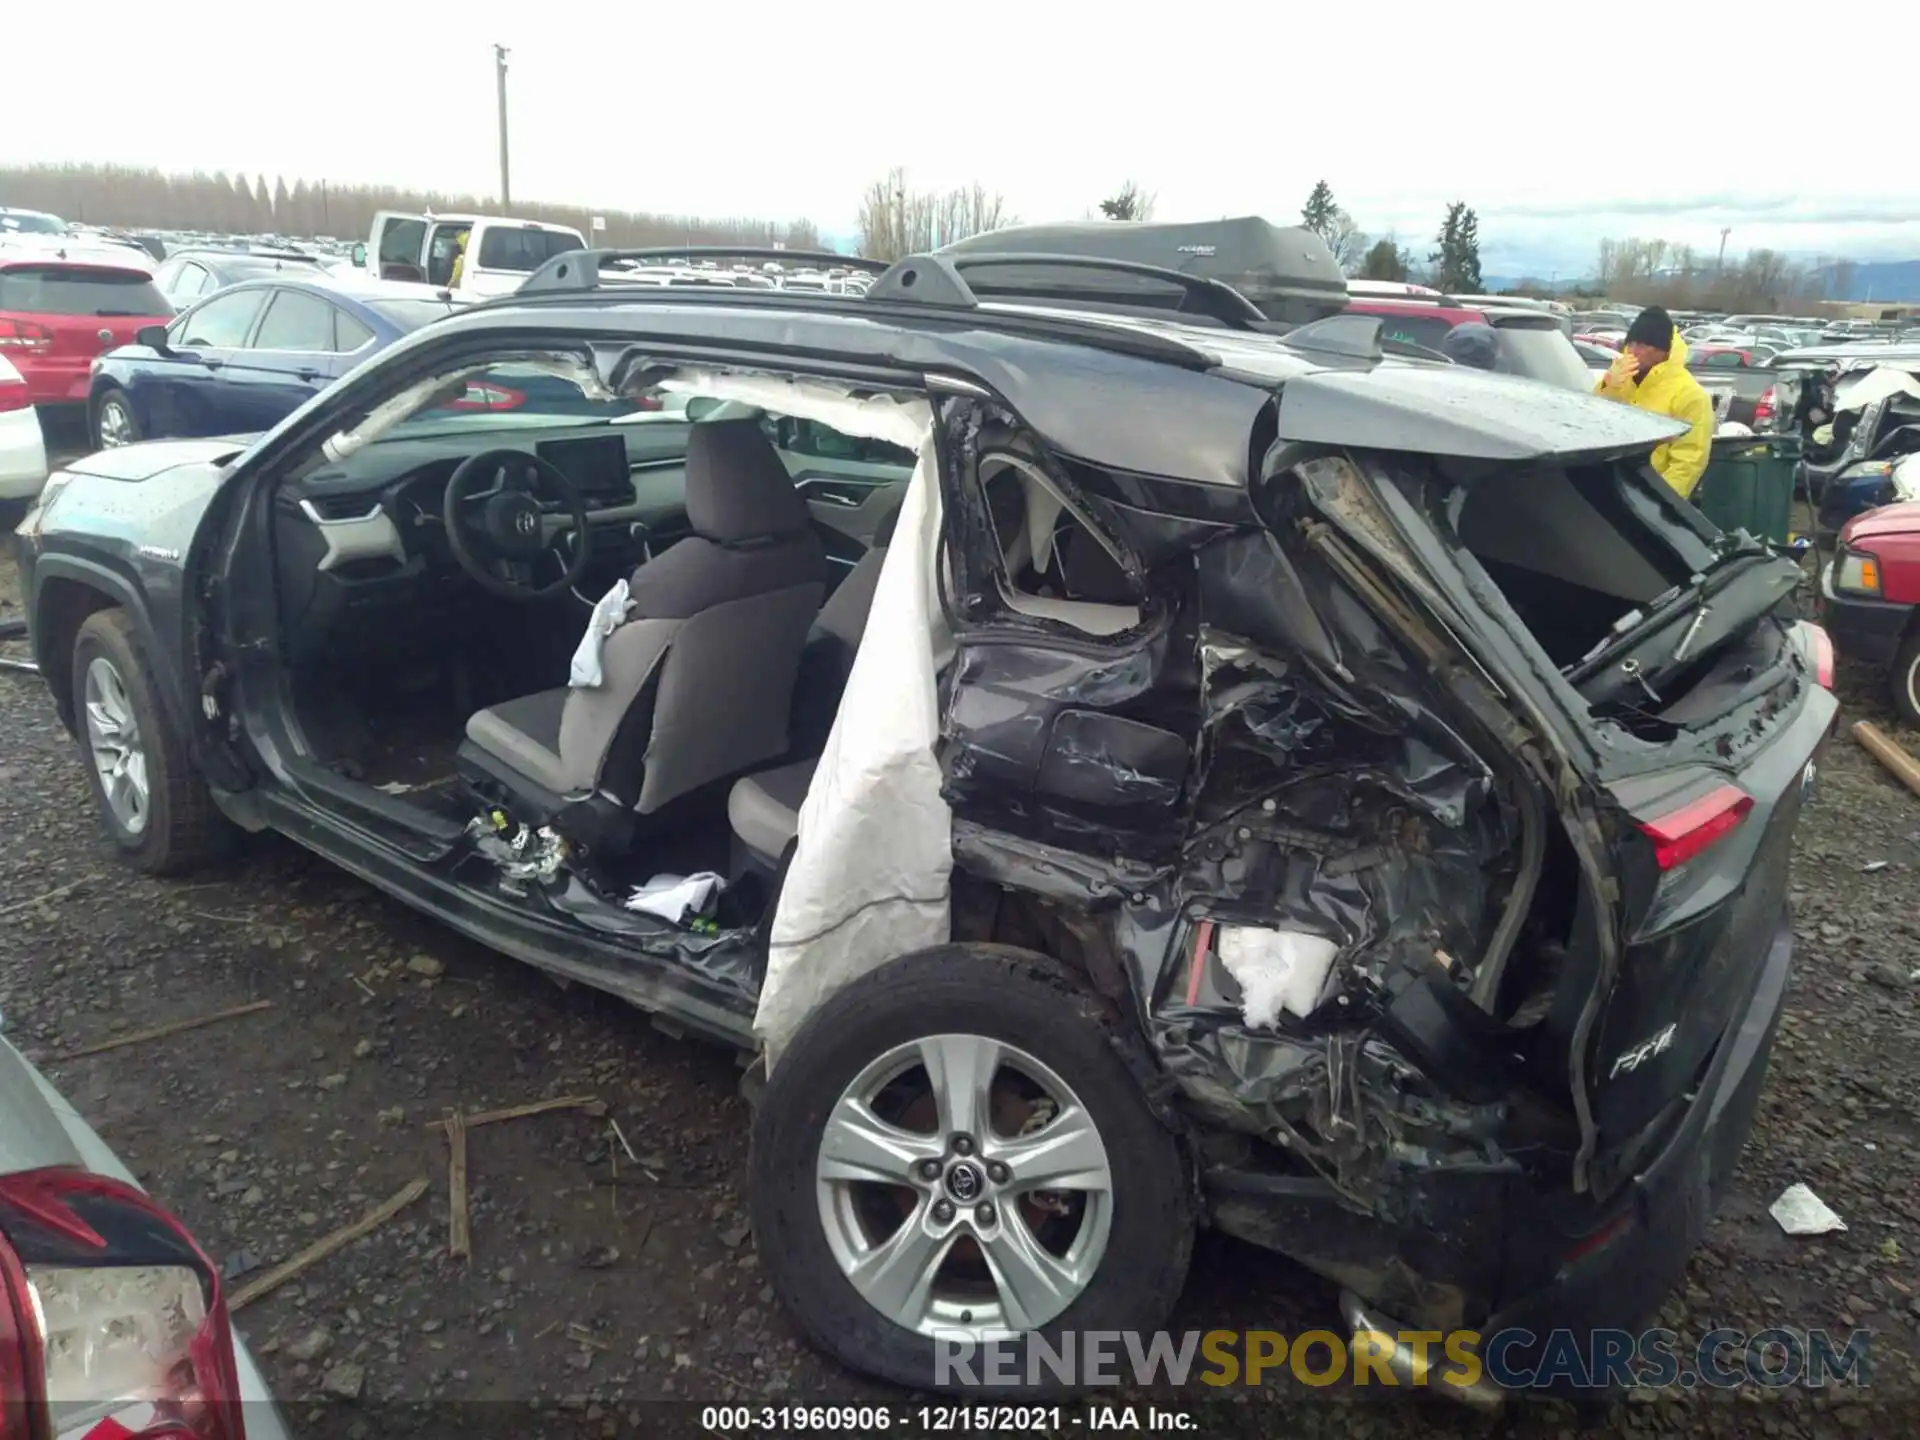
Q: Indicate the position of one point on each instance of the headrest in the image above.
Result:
(737, 489)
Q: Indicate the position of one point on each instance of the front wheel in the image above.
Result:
(952, 1151)
(154, 804)
(1906, 677)
(113, 421)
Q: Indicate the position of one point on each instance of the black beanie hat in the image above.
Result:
(1652, 326)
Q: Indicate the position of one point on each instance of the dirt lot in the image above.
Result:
(600, 1284)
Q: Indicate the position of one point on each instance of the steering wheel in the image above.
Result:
(504, 510)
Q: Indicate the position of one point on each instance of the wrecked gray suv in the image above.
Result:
(1119, 769)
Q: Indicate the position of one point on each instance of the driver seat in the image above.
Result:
(699, 680)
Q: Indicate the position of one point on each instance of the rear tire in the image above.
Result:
(111, 420)
(1906, 677)
(154, 805)
(1120, 1265)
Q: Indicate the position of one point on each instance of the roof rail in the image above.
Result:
(580, 269)
(1200, 294)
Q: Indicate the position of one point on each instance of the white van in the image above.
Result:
(501, 251)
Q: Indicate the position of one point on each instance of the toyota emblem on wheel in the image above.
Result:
(526, 522)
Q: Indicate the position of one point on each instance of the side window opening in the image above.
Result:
(1054, 564)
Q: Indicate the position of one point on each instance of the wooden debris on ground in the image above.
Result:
(520, 1112)
(1877, 743)
(327, 1245)
(459, 1240)
(161, 1032)
(56, 893)
(456, 1126)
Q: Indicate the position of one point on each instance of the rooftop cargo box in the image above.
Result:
(1286, 271)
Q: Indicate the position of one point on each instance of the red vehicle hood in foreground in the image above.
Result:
(1901, 519)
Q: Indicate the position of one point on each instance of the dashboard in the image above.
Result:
(361, 538)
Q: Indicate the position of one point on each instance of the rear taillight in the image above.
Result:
(28, 337)
(1765, 407)
(113, 1324)
(13, 395)
(1680, 835)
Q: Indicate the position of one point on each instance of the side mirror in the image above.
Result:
(359, 255)
(154, 337)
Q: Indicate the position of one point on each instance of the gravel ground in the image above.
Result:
(599, 1284)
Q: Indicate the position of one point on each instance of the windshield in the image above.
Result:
(31, 222)
(1423, 330)
(503, 248)
(1542, 352)
(79, 290)
(513, 397)
(412, 314)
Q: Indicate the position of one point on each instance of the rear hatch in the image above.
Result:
(56, 316)
(1657, 667)
(1698, 699)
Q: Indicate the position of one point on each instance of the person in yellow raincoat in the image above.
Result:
(459, 260)
(1652, 374)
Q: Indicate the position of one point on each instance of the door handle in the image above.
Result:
(308, 374)
(212, 364)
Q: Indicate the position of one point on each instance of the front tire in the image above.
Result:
(113, 420)
(153, 803)
(1906, 677)
(953, 1145)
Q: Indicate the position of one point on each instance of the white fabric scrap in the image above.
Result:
(608, 613)
(674, 897)
(1801, 1212)
(1276, 970)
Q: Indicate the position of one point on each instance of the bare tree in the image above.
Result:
(1347, 241)
(897, 220)
(1130, 202)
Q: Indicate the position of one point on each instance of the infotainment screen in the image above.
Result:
(597, 465)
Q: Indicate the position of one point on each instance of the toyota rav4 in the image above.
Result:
(1115, 769)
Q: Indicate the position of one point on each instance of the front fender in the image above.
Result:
(55, 617)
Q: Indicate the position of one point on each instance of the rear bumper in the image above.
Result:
(57, 379)
(1869, 630)
(1660, 1216)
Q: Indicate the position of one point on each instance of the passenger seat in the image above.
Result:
(764, 808)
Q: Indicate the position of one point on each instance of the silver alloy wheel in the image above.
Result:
(116, 423)
(1912, 681)
(113, 739)
(964, 1182)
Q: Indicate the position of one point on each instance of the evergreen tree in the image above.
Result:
(1386, 261)
(1456, 264)
(1318, 213)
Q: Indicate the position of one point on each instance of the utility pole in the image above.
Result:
(1720, 261)
(500, 79)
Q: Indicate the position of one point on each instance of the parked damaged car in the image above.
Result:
(1342, 800)
(1864, 431)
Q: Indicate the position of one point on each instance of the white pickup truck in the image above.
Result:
(500, 251)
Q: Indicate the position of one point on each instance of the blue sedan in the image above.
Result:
(240, 361)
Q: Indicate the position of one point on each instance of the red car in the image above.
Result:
(63, 304)
(1870, 596)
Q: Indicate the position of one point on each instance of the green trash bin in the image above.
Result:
(1748, 484)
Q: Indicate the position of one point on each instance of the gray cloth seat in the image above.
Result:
(764, 808)
(699, 680)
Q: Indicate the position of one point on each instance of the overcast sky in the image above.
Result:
(1560, 125)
